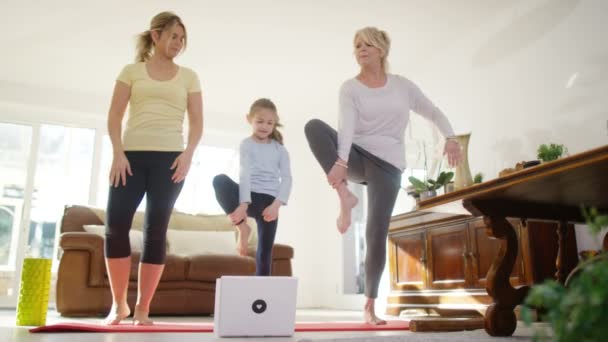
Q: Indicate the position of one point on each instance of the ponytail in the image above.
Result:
(276, 135)
(144, 46)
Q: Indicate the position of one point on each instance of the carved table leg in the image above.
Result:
(560, 262)
(500, 319)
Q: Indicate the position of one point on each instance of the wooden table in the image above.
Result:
(550, 191)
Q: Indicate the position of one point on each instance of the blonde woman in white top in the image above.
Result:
(369, 149)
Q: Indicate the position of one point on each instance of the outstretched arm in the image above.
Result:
(423, 106)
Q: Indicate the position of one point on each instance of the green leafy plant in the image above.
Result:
(551, 152)
(595, 221)
(431, 184)
(478, 178)
(578, 312)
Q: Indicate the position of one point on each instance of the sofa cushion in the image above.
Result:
(178, 221)
(175, 267)
(136, 237)
(192, 242)
(210, 267)
(183, 221)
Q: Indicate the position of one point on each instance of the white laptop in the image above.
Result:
(255, 306)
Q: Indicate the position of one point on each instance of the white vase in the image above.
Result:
(427, 194)
(462, 174)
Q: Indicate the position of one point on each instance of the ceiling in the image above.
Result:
(294, 52)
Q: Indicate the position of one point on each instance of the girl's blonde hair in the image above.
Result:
(161, 22)
(267, 104)
(378, 39)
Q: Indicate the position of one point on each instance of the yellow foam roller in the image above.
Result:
(34, 292)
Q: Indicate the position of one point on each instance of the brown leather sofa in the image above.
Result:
(187, 285)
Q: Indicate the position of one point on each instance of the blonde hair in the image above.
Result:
(378, 39)
(267, 104)
(161, 22)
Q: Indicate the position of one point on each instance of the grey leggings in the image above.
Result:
(383, 181)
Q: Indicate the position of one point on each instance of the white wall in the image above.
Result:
(533, 75)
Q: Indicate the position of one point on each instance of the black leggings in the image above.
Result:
(152, 177)
(227, 194)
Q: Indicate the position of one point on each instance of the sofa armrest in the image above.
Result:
(88, 242)
(281, 259)
(280, 251)
(76, 216)
(81, 241)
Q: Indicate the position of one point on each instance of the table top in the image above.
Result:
(579, 179)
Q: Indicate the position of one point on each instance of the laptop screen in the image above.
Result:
(255, 306)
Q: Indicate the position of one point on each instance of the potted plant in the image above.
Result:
(551, 152)
(579, 310)
(411, 191)
(478, 178)
(427, 189)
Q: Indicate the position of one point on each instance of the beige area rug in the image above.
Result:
(522, 333)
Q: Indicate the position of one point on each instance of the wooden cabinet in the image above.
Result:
(408, 255)
(447, 250)
(438, 262)
(483, 250)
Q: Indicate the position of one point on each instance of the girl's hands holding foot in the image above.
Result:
(271, 212)
(239, 214)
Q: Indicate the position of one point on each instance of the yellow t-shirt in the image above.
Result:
(156, 108)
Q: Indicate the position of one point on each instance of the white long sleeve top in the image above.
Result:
(376, 118)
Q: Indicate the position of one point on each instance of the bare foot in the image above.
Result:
(140, 317)
(371, 318)
(243, 238)
(370, 314)
(117, 314)
(347, 202)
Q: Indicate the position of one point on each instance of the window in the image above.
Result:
(63, 174)
(15, 143)
(197, 195)
(43, 167)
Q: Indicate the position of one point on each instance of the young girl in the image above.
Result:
(265, 183)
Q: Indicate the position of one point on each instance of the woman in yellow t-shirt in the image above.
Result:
(149, 158)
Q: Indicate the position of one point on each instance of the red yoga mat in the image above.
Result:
(208, 327)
